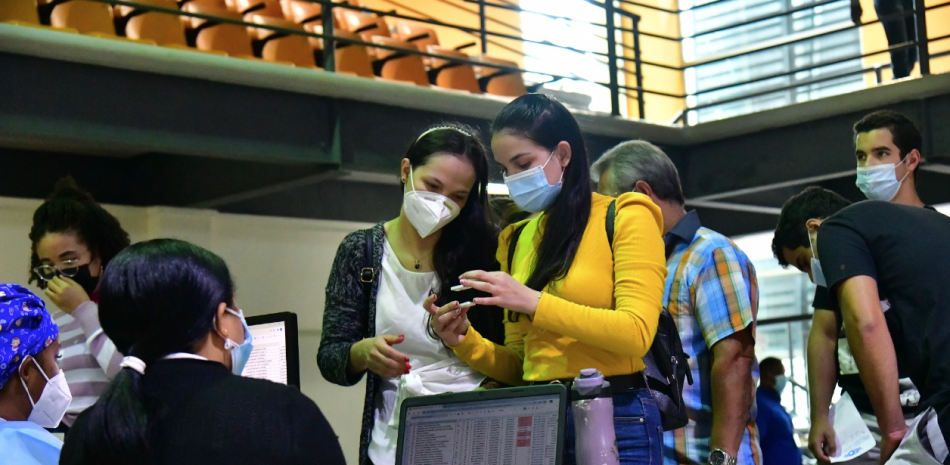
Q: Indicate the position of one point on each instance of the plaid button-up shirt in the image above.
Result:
(711, 292)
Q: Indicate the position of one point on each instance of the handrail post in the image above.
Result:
(329, 45)
(638, 67)
(483, 26)
(612, 59)
(923, 49)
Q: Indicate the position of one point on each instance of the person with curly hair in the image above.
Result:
(72, 241)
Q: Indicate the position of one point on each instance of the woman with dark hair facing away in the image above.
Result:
(73, 239)
(179, 398)
(373, 322)
(571, 301)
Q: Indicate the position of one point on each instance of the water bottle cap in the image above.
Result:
(589, 382)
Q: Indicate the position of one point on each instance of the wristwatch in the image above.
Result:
(720, 457)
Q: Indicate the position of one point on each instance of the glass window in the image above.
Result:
(580, 34)
(721, 81)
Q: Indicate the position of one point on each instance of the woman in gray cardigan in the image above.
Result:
(374, 320)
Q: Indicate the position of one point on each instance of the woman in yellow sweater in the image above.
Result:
(571, 301)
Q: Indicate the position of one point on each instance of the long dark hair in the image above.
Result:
(546, 122)
(71, 209)
(470, 240)
(157, 297)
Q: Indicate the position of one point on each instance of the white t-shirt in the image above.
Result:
(435, 368)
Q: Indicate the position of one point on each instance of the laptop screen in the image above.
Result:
(274, 357)
(519, 430)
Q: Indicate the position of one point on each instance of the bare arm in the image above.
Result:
(731, 390)
(873, 351)
(822, 343)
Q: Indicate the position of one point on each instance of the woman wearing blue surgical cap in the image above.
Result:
(169, 306)
(33, 390)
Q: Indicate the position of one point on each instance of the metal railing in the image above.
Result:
(485, 36)
(920, 42)
(619, 77)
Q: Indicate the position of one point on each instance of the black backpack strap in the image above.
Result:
(609, 223)
(512, 245)
(367, 271)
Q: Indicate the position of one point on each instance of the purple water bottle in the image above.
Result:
(595, 441)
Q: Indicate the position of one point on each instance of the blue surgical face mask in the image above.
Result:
(880, 182)
(817, 276)
(240, 353)
(530, 189)
(781, 381)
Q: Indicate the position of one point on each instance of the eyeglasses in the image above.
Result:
(69, 269)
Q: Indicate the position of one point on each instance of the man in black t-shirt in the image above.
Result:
(887, 151)
(871, 252)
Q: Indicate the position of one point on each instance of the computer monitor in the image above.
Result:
(276, 354)
(516, 426)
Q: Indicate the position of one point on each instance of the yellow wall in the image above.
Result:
(463, 14)
(658, 108)
(873, 39)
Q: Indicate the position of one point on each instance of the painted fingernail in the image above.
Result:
(408, 367)
(407, 360)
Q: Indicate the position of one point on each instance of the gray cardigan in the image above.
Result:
(349, 317)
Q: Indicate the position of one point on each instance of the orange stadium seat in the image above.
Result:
(498, 81)
(417, 34)
(22, 11)
(301, 11)
(278, 46)
(453, 74)
(83, 16)
(366, 25)
(140, 24)
(265, 7)
(223, 37)
(399, 66)
(350, 58)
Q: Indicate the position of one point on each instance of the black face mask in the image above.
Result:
(84, 278)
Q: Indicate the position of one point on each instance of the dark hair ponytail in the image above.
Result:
(157, 297)
(545, 121)
(72, 209)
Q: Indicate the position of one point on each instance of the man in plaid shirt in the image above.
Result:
(712, 293)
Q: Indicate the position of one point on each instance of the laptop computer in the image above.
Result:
(276, 354)
(522, 425)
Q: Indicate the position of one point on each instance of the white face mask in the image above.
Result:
(48, 411)
(817, 276)
(880, 182)
(428, 211)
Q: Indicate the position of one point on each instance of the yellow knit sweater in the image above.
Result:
(602, 315)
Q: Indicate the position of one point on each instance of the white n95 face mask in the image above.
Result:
(49, 410)
(428, 212)
(880, 182)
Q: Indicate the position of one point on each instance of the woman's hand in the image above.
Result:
(450, 322)
(506, 292)
(67, 294)
(377, 354)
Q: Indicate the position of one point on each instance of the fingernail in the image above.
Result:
(408, 367)
(407, 360)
